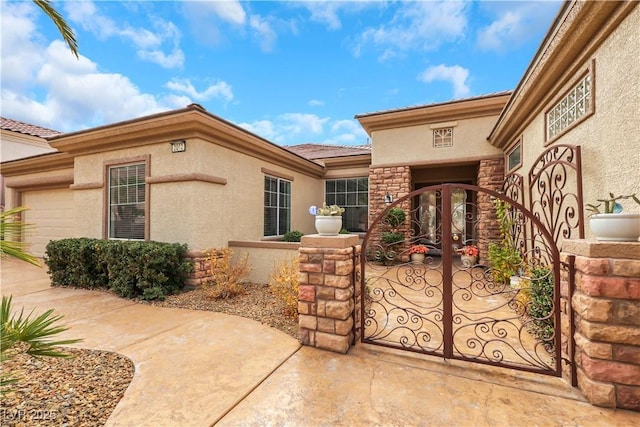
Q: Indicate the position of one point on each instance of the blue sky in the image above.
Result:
(292, 72)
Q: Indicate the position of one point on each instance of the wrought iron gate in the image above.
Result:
(453, 306)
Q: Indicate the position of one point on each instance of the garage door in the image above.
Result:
(51, 213)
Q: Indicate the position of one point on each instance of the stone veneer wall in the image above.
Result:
(392, 180)
(490, 176)
(201, 268)
(326, 297)
(606, 305)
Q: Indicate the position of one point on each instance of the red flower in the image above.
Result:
(471, 250)
(418, 249)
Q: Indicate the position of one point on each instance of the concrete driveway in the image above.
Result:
(196, 368)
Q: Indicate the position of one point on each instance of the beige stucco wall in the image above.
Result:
(32, 181)
(15, 145)
(610, 138)
(264, 257)
(201, 214)
(414, 144)
(355, 172)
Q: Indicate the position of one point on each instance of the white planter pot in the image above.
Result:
(418, 258)
(616, 227)
(328, 225)
(468, 260)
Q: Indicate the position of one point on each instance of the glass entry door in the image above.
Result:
(430, 212)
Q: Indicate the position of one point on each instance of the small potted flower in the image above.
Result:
(418, 253)
(469, 255)
(328, 219)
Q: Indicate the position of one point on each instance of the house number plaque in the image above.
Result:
(178, 146)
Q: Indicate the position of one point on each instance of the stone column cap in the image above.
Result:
(338, 242)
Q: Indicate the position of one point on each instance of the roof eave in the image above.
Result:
(190, 122)
(454, 110)
(40, 163)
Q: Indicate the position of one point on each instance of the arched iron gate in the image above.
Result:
(450, 306)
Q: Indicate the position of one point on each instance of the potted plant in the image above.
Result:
(611, 224)
(328, 219)
(418, 253)
(469, 255)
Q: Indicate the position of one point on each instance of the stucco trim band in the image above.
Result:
(441, 162)
(86, 186)
(59, 181)
(277, 174)
(183, 177)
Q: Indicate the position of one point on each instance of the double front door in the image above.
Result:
(430, 216)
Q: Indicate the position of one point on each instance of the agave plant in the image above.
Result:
(34, 332)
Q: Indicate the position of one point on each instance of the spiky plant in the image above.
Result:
(12, 229)
(34, 332)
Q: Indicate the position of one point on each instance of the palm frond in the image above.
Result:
(11, 235)
(65, 30)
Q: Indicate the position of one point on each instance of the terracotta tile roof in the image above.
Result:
(415, 107)
(323, 151)
(26, 128)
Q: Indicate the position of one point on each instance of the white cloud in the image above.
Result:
(230, 10)
(515, 23)
(454, 74)
(325, 13)
(19, 43)
(220, 90)
(52, 88)
(417, 25)
(303, 123)
(300, 128)
(263, 128)
(500, 32)
(264, 33)
(149, 44)
(315, 103)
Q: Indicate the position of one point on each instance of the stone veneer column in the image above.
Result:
(606, 306)
(490, 176)
(201, 268)
(326, 291)
(392, 180)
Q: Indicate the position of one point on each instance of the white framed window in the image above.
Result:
(514, 156)
(127, 196)
(277, 206)
(443, 137)
(576, 105)
(352, 194)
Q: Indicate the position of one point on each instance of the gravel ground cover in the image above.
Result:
(81, 391)
(84, 391)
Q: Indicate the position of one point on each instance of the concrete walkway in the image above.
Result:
(196, 368)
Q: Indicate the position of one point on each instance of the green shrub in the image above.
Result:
(77, 263)
(131, 269)
(541, 302)
(505, 260)
(391, 238)
(292, 236)
(344, 231)
(395, 217)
